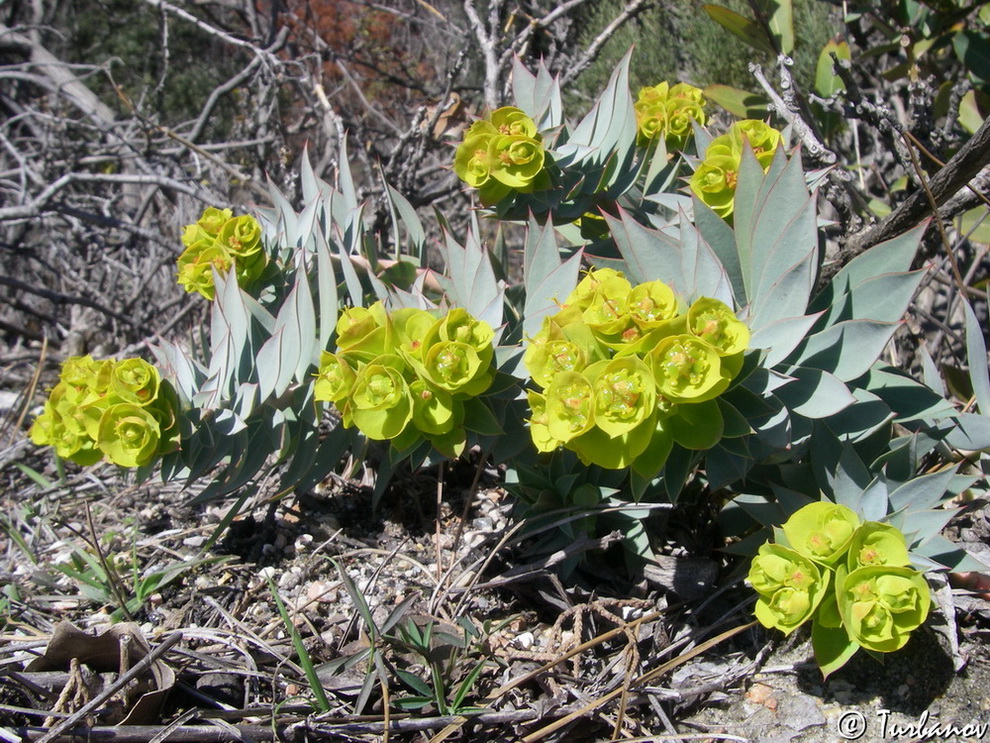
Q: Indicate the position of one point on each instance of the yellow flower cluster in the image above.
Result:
(621, 366)
(120, 411)
(714, 182)
(219, 240)
(501, 154)
(404, 376)
(668, 112)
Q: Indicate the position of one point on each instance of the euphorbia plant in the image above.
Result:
(852, 579)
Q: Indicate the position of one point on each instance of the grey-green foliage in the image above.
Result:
(249, 394)
(814, 397)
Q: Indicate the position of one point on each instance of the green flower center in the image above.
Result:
(620, 391)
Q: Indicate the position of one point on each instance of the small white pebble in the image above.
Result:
(266, 573)
(524, 640)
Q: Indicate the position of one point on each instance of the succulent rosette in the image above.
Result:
(121, 411)
(822, 531)
(501, 154)
(880, 605)
(789, 586)
(219, 241)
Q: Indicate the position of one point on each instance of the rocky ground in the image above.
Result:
(452, 624)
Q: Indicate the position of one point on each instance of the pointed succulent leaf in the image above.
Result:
(538, 95)
(286, 219)
(548, 281)
(944, 553)
(867, 415)
(405, 212)
(969, 432)
(911, 400)
(345, 181)
(473, 285)
(847, 349)
(920, 526)
(782, 336)
(891, 256)
(976, 352)
(609, 129)
(304, 324)
(779, 232)
(883, 298)
(814, 393)
(326, 288)
(703, 272)
(719, 236)
(649, 254)
(850, 478)
(274, 369)
(922, 492)
(313, 189)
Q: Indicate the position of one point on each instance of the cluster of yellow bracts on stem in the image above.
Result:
(625, 371)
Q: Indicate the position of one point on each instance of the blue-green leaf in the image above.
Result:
(814, 393)
(537, 95)
(722, 241)
(851, 479)
(922, 492)
(345, 180)
(326, 288)
(976, 352)
(700, 267)
(547, 280)
(847, 349)
(609, 129)
(780, 338)
(649, 254)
